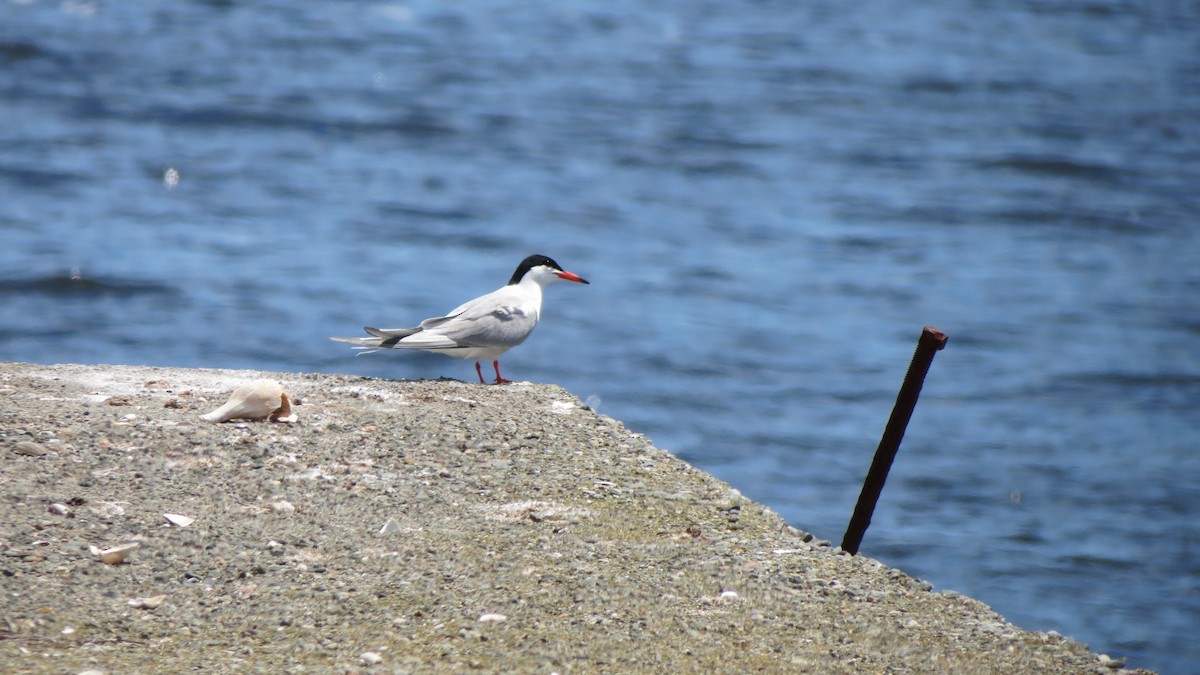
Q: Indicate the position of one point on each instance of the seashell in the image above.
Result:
(492, 616)
(147, 603)
(255, 400)
(114, 555)
(178, 520)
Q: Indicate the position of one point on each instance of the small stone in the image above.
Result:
(61, 510)
(491, 616)
(370, 658)
(108, 509)
(147, 603)
(30, 449)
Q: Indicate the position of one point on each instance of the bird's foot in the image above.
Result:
(499, 380)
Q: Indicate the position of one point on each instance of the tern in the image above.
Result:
(479, 329)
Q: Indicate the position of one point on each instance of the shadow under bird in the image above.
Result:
(479, 329)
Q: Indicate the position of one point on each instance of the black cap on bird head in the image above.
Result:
(530, 263)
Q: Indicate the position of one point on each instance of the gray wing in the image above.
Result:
(388, 337)
(498, 320)
(383, 338)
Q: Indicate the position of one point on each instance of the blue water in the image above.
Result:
(770, 199)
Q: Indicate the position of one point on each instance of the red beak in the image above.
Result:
(571, 276)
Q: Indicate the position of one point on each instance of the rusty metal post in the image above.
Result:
(931, 342)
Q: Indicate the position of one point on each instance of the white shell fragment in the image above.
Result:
(491, 616)
(390, 526)
(114, 555)
(178, 520)
(147, 603)
(260, 399)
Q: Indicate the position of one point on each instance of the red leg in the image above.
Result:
(499, 380)
(479, 372)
